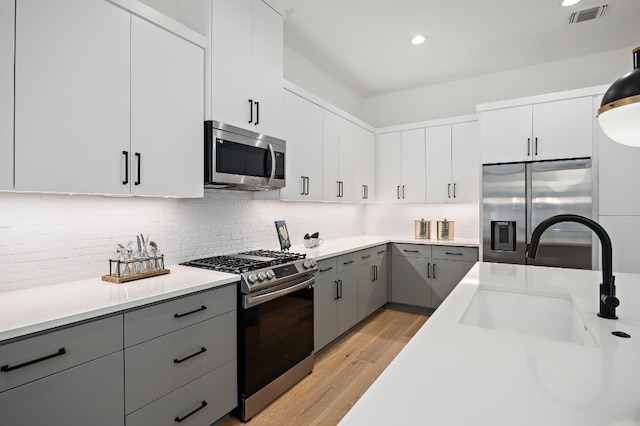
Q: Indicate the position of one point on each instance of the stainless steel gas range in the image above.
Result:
(275, 322)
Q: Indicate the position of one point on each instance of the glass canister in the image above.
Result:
(446, 229)
(422, 229)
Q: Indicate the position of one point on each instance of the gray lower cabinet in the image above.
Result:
(335, 296)
(182, 365)
(372, 281)
(424, 275)
(72, 376)
(348, 289)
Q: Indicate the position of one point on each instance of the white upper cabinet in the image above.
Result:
(338, 158)
(303, 132)
(453, 163)
(439, 186)
(364, 163)
(106, 102)
(465, 161)
(247, 65)
(618, 176)
(7, 14)
(72, 96)
(401, 166)
(542, 131)
(167, 111)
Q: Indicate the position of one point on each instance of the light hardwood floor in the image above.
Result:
(342, 373)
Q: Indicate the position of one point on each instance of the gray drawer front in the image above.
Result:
(218, 389)
(326, 267)
(349, 260)
(455, 253)
(81, 343)
(88, 394)
(147, 323)
(150, 368)
(411, 250)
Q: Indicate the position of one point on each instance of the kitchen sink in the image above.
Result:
(545, 314)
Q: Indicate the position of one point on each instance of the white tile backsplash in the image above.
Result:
(48, 238)
(398, 219)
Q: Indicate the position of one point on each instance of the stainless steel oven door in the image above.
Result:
(275, 333)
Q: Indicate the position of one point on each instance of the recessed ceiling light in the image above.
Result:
(570, 2)
(418, 39)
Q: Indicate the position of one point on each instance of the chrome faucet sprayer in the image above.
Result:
(608, 299)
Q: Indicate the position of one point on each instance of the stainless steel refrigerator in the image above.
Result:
(516, 197)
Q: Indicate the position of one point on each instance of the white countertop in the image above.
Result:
(36, 309)
(452, 373)
(32, 310)
(338, 246)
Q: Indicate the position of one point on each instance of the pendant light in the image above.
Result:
(619, 113)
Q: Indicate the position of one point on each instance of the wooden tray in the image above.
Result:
(120, 280)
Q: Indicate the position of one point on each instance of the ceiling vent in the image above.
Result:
(589, 14)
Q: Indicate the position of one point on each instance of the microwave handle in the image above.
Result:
(273, 164)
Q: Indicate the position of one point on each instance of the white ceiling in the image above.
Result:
(364, 43)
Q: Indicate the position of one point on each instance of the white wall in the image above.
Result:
(302, 72)
(461, 97)
(47, 238)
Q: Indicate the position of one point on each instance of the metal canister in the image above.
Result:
(446, 229)
(422, 229)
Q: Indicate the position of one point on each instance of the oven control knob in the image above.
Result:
(307, 264)
(270, 274)
(312, 262)
(252, 278)
(262, 276)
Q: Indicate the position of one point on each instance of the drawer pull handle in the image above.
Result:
(366, 257)
(202, 308)
(6, 368)
(180, 419)
(382, 252)
(411, 251)
(326, 269)
(453, 253)
(201, 351)
(348, 262)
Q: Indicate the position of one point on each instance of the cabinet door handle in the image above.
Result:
(6, 368)
(434, 271)
(139, 156)
(403, 192)
(428, 270)
(448, 190)
(341, 189)
(454, 190)
(340, 289)
(535, 152)
(308, 180)
(201, 308)
(250, 111)
(528, 147)
(201, 351)
(326, 269)
(185, 417)
(375, 272)
(337, 289)
(365, 192)
(257, 112)
(126, 167)
(398, 192)
(304, 180)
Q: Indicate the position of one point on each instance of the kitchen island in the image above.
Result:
(490, 360)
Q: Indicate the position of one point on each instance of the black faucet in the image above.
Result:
(608, 299)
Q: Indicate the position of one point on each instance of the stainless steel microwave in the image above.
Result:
(236, 158)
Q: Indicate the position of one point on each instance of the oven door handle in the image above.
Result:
(251, 301)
